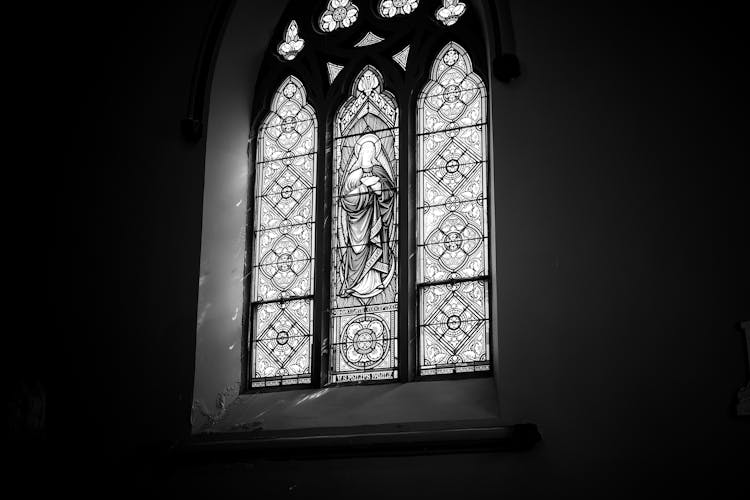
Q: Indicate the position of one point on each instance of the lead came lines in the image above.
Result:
(452, 248)
(364, 298)
(282, 258)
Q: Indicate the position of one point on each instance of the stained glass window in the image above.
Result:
(364, 248)
(450, 12)
(333, 71)
(391, 8)
(283, 236)
(402, 57)
(339, 14)
(370, 38)
(452, 217)
(369, 318)
(292, 43)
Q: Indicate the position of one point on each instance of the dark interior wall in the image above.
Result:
(623, 270)
(130, 217)
(622, 274)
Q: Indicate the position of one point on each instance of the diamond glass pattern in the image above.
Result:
(454, 330)
(283, 240)
(452, 216)
(282, 346)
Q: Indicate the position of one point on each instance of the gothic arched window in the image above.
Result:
(368, 251)
(284, 235)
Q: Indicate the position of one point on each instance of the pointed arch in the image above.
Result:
(452, 229)
(364, 248)
(284, 240)
(240, 92)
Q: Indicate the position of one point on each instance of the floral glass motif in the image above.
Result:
(292, 44)
(392, 8)
(339, 14)
(451, 10)
(452, 216)
(283, 240)
(364, 277)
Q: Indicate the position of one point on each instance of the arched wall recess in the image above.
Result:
(220, 367)
(506, 66)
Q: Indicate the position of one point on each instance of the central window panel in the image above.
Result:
(365, 271)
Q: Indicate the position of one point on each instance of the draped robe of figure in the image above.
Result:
(366, 221)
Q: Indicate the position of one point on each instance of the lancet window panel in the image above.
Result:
(282, 347)
(365, 246)
(454, 329)
(455, 97)
(283, 251)
(452, 226)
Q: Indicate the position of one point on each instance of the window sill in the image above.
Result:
(418, 417)
(434, 416)
(387, 439)
(360, 405)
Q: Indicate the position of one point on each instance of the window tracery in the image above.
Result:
(338, 15)
(333, 71)
(452, 228)
(353, 326)
(393, 8)
(402, 57)
(364, 290)
(284, 235)
(450, 12)
(292, 43)
(369, 39)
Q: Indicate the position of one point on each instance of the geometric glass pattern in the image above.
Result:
(339, 14)
(292, 44)
(402, 57)
(369, 39)
(283, 240)
(333, 71)
(452, 217)
(451, 10)
(364, 243)
(281, 350)
(454, 328)
(391, 8)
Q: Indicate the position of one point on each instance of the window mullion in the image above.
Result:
(407, 239)
(323, 263)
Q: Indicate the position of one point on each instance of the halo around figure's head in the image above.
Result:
(368, 138)
(368, 147)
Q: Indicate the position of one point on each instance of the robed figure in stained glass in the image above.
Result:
(364, 280)
(366, 221)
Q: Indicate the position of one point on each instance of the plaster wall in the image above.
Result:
(623, 273)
